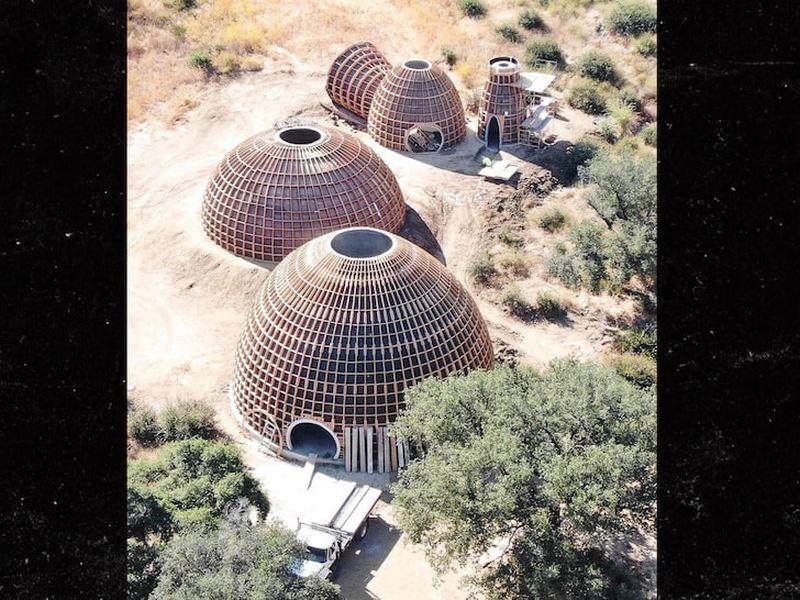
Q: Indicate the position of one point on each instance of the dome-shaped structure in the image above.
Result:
(355, 75)
(416, 107)
(340, 329)
(280, 189)
(503, 106)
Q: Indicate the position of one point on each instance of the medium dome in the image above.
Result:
(416, 94)
(355, 75)
(342, 327)
(280, 189)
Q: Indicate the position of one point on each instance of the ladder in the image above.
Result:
(268, 434)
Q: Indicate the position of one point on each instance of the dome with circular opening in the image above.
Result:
(416, 95)
(280, 189)
(342, 327)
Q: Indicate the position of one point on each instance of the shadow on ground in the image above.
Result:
(360, 561)
(416, 231)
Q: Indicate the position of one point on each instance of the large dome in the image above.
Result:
(341, 328)
(416, 94)
(280, 189)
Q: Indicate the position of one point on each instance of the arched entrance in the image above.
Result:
(424, 138)
(493, 134)
(310, 437)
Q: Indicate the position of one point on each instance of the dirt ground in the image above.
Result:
(187, 298)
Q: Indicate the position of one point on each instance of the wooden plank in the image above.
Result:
(393, 447)
(369, 449)
(362, 450)
(407, 448)
(380, 431)
(354, 449)
(401, 460)
(347, 465)
(387, 461)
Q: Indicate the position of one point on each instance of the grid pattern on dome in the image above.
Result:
(338, 340)
(408, 97)
(268, 196)
(500, 95)
(354, 77)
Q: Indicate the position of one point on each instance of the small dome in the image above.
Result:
(343, 326)
(355, 75)
(416, 94)
(280, 189)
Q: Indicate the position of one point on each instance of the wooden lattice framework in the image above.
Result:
(416, 93)
(503, 98)
(279, 189)
(344, 324)
(355, 75)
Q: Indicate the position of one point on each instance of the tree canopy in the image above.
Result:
(539, 468)
(238, 562)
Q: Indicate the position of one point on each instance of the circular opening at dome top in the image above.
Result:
(300, 136)
(361, 243)
(503, 61)
(417, 64)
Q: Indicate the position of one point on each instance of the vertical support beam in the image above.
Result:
(354, 448)
(387, 453)
(407, 451)
(347, 465)
(362, 447)
(393, 447)
(401, 459)
(369, 449)
(379, 433)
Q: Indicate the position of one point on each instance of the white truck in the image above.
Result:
(336, 513)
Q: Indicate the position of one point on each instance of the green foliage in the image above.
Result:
(542, 49)
(482, 269)
(550, 306)
(607, 132)
(584, 150)
(650, 135)
(550, 463)
(187, 419)
(638, 341)
(629, 98)
(632, 17)
(511, 238)
(143, 569)
(517, 305)
(561, 264)
(588, 97)
(509, 32)
(589, 256)
(201, 59)
(472, 8)
(639, 369)
(147, 515)
(552, 219)
(450, 57)
(514, 262)
(238, 562)
(194, 480)
(598, 66)
(646, 46)
(530, 19)
(144, 428)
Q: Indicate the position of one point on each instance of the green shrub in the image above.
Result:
(472, 8)
(638, 341)
(584, 150)
(200, 519)
(562, 266)
(482, 269)
(628, 144)
(550, 306)
(650, 135)
(179, 31)
(552, 219)
(510, 238)
(517, 305)
(514, 262)
(646, 46)
(623, 116)
(510, 33)
(543, 49)
(588, 97)
(187, 419)
(607, 132)
(598, 66)
(200, 59)
(144, 428)
(632, 17)
(639, 369)
(628, 97)
(449, 56)
(530, 19)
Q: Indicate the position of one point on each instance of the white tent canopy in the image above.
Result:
(535, 83)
